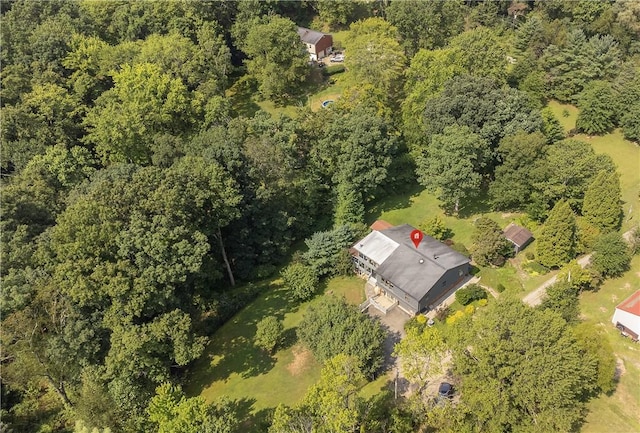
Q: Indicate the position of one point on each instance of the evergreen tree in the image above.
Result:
(601, 205)
(598, 110)
(556, 244)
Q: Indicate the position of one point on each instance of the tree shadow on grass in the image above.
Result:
(289, 338)
(231, 349)
(477, 206)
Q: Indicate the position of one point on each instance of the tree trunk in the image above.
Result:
(60, 391)
(457, 205)
(226, 260)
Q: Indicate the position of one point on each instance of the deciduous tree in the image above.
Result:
(421, 353)
(451, 165)
(508, 381)
(610, 255)
(490, 246)
(268, 333)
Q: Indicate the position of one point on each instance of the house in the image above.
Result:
(319, 45)
(518, 236)
(627, 316)
(412, 278)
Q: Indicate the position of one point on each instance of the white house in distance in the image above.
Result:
(627, 316)
(319, 45)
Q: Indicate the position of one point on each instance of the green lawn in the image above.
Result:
(620, 411)
(625, 154)
(232, 366)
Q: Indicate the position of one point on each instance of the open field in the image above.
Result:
(620, 411)
(233, 367)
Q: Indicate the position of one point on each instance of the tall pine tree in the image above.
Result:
(556, 244)
(601, 205)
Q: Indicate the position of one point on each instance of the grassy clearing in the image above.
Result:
(625, 154)
(232, 366)
(620, 411)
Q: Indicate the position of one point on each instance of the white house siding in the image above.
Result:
(630, 321)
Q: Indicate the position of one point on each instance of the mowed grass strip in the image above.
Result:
(233, 367)
(620, 411)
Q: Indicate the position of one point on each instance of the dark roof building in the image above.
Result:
(415, 277)
(518, 236)
(319, 45)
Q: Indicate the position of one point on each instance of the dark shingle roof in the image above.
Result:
(309, 36)
(518, 235)
(416, 270)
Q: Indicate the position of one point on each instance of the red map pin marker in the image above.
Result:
(416, 237)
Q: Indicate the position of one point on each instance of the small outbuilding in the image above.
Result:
(627, 316)
(518, 236)
(319, 45)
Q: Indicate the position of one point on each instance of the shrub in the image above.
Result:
(268, 333)
(301, 280)
(501, 288)
(482, 303)
(421, 319)
(471, 293)
(469, 310)
(529, 255)
(535, 268)
(455, 317)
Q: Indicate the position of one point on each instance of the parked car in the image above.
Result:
(337, 58)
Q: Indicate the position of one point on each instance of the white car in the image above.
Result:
(337, 58)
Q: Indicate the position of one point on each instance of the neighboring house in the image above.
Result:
(518, 236)
(627, 316)
(319, 45)
(415, 279)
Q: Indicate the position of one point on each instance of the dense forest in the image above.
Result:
(140, 199)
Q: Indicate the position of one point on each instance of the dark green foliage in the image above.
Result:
(543, 374)
(451, 166)
(470, 293)
(602, 202)
(634, 240)
(277, 56)
(425, 25)
(562, 297)
(571, 66)
(301, 280)
(557, 241)
(566, 172)
(490, 246)
(500, 288)
(611, 255)
(325, 248)
(595, 342)
(551, 127)
(486, 108)
(514, 182)
(172, 412)
(598, 111)
(334, 327)
(268, 333)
